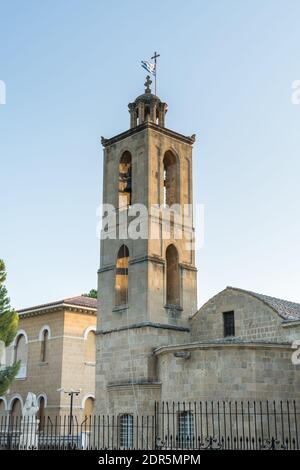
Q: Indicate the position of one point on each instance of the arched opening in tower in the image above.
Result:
(125, 181)
(173, 280)
(171, 179)
(121, 284)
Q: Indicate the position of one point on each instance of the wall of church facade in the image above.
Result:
(41, 377)
(125, 357)
(64, 366)
(78, 369)
(253, 319)
(229, 372)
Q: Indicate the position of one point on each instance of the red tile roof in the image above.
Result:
(79, 301)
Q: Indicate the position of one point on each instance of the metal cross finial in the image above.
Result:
(155, 57)
(147, 84)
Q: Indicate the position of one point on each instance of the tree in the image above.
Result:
(93, 294)
(8, 328)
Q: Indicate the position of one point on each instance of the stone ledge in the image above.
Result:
(120, 308)
(290, 323)
(129, 385)
(106, 268)
(217, 344)
(143, 259)
(144, 325)
(188, 267)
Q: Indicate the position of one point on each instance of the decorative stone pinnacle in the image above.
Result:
(147, 84)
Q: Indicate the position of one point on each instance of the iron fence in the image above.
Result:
(195, 426)
(227, 425)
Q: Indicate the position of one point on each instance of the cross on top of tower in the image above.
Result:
(155, 56)
(148, 84)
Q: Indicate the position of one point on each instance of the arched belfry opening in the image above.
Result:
(171, 179)
(173, 278)
(121, 282)
(125, 180)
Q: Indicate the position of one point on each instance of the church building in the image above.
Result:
(144, 342)
(152, 343)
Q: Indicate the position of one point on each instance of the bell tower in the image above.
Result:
(147, 278)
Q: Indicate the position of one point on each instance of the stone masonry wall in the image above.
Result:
(253, 319)
(229, 372)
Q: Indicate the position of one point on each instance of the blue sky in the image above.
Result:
(226, 70)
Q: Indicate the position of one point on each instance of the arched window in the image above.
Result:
(171, 179)
(20, 354)
(121, 284)
(173, 280)
(126, 431)
(125, 181)
(90, 347)
(44, 346)
(89, 406)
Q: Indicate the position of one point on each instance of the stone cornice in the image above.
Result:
(106, 268)
(129, 385)
(188, 267)
(146, 258)
(63, 307)
(290, 323)
(141, 259)
(218, 345)
(148, 125)
(145, 324)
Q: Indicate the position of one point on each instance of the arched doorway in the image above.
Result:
(16, 412)
(2, 408)
(41, 412)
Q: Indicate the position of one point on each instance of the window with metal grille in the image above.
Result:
(126, 431)
(185, 429)
(228, 319)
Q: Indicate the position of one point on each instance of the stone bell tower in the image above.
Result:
(147, 276)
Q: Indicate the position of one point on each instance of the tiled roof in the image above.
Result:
(289, 311)
(79, 301)
(82, 301)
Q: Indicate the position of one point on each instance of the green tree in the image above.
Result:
(8, 328)
(93, 293)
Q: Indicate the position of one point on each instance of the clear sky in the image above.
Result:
(226, 70)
